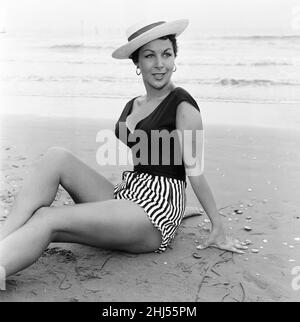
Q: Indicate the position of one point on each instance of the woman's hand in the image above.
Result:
(218, 239)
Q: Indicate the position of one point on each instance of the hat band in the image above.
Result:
(144, 29)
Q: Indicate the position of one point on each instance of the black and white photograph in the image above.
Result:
(150, 152)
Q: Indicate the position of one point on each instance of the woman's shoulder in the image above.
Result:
(181, 91)
(188, 114)
(182, 95)
(137, 100)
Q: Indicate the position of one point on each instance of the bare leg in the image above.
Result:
(58, 166)
(110, 224)
(30, 239)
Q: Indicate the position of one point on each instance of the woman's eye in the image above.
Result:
(165, 54)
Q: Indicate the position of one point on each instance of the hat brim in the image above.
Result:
(173, 27)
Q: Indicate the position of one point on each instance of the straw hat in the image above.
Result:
(142, 33)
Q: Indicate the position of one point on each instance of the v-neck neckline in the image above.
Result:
(156, 108)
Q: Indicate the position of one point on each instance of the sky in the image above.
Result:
(219, 16)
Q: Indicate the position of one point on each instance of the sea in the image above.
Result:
(61, 73)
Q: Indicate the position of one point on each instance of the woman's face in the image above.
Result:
(156, 62)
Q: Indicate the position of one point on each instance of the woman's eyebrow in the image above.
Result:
(153, 51)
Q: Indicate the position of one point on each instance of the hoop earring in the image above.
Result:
(174, 69)
(138, 73)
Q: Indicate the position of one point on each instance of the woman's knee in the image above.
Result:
(54, 157)
(43, 219)
(57, 153)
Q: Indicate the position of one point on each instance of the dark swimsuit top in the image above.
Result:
(163, 117)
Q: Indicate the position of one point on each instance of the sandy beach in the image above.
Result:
(60, 85)
(251, 169)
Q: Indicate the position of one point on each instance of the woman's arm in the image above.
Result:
(189, 124)
(206, 199)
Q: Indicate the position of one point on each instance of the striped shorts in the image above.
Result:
(162, 198)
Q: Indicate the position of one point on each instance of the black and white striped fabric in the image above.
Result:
(162, 198)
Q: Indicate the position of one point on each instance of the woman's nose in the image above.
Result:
(159, 62)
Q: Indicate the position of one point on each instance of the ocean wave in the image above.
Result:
(43, 61)
(205, 81)
(36, 78)
(255, 82)
(270, 63)
(79, 47)
(258, 37)
(259, 63)
(239, 63)
(242, 82)
(200, 98)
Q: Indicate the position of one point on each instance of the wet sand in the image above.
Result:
(250, 169)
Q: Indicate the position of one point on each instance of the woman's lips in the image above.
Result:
(159, 76)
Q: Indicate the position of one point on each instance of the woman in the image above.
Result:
(142, 212)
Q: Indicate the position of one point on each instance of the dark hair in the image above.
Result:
(135, 55)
